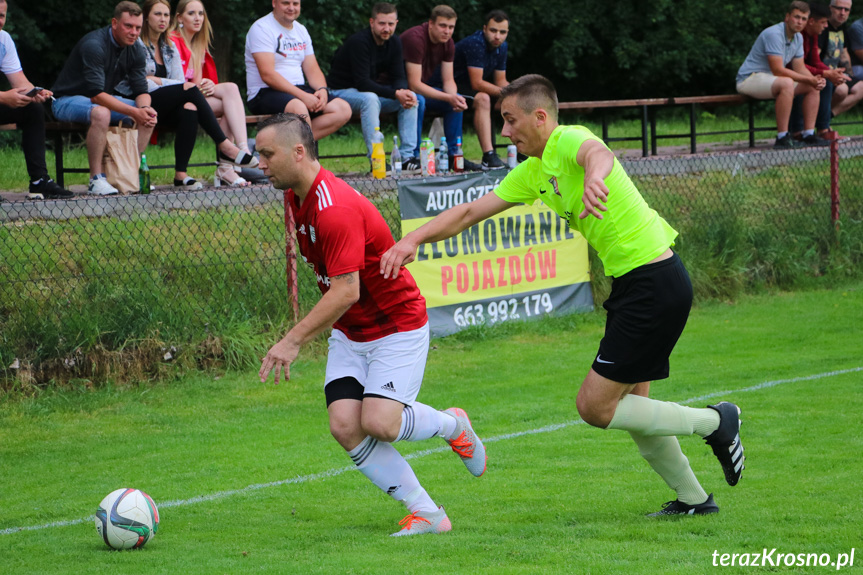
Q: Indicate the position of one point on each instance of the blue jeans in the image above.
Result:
(451, 121)
(822, 121)
(77, 109)
(369, 106)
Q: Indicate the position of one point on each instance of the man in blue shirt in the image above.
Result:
(480, 71)
(774, 70)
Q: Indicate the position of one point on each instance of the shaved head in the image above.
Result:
(532, 92)
(292, 129)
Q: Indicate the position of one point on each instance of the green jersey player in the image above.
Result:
(572, 171)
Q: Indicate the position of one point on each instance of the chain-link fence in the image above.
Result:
(96, 288)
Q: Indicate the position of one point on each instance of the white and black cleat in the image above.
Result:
(725, 441)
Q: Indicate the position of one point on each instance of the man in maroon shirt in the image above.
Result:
(380, 336)
(835, 78)
(429, 52)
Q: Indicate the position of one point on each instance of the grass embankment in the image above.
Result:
(91, 299)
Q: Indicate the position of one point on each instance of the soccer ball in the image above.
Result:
(127, 519)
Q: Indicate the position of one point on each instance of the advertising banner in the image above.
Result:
(519, 265)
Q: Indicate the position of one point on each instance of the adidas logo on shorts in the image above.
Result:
(389, 387)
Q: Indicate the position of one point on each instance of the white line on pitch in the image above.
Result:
(340, 470)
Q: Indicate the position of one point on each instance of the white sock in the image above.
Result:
(386, 468)
(665, 457)
(650, 417)
(780, 135)
(807, 133)
(419, 421)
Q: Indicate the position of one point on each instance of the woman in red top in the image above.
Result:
(193, 36)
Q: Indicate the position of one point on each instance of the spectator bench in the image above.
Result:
(54, 132)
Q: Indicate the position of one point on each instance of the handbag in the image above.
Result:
(121, 160)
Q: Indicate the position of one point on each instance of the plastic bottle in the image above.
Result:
(396, 159)
(458, 157)
(424, 157)
(431, 161)
(379, 165)
(143, 176)
(511, 156)
(443, 156)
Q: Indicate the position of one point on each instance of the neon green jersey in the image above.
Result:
(630, 233)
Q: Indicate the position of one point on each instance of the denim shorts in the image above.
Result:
(77, 109)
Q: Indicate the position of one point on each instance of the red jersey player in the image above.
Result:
(380, 336)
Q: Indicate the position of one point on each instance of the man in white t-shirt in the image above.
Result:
(22, 105)
(283, 75)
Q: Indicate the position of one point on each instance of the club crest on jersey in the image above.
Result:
(553, 182)
(312, 233)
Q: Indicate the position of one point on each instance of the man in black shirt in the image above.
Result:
(84, 91)
(368, 73)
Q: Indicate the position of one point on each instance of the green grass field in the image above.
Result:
(249, 479)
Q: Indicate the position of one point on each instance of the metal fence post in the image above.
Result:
(834, 183)
(291, 259)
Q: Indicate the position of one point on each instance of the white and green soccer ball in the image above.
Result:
(127, 519)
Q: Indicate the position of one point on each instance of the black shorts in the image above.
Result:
(647, 310)
(269, 101)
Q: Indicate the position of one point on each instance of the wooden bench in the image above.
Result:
(54, 132)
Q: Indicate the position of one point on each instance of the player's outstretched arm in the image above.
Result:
(444, 226)
(343, 293)
(597, 161)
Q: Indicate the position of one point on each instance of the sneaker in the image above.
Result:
(725, 441)
(678, 507)
(466, 443)
(188, 183)
(786, 142)
(48, 189)
(99, 186)
(411, 166)
(490, 161)
(471, 167)
(813, 141)
(424, 522)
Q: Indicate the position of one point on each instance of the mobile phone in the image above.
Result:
(34, 91)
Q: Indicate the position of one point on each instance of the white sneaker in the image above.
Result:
(99, 186)
(424, 522)
(467, 443)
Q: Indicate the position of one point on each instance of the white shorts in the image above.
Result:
(390, 367)
(759, 85)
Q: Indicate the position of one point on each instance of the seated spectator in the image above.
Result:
(834, 53)
(854, 44)
(283, 75)
(368, 72)
(429, 52)
(85, 88)
(816, 24)
(480, 71)
(17, 107)
(193, 35)
(180, 104)
(764, 76)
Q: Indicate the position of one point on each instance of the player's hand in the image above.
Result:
(280, 356)
(594, 198)
(402, 253)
